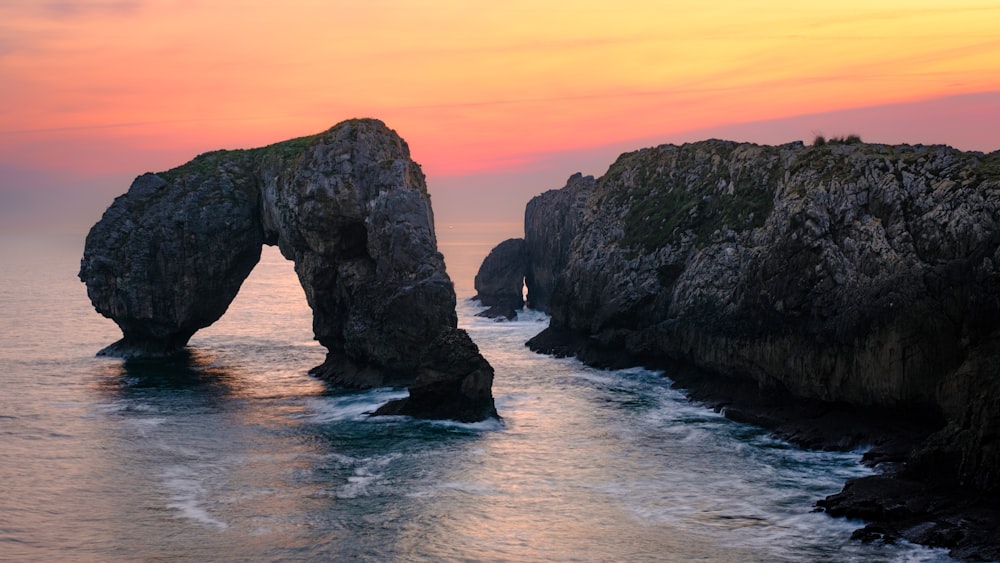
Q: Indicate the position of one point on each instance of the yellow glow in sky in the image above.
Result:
(473, 87)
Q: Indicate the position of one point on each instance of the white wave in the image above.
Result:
(148, 422)
(187, 491)
(508, 399)
(355, 406)
(365, 475)
(471, 487)
(468, 487)
(794, 530)
(488, 425)
(339, 458)
(144, 426)
(357, 484)
(529, 319)
(125, 406)
(191, 509)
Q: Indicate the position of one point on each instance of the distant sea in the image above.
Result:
(236, 454)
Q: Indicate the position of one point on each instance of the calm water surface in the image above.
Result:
(234, 453)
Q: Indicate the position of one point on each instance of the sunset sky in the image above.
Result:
(498, 101)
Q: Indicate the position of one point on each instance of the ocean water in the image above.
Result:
(236, 454)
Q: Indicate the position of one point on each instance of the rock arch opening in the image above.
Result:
(270, 306)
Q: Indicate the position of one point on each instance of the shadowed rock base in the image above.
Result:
(435, 394)
(144, 349)
(919, 512)
(914, 499)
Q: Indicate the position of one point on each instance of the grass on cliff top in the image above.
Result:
(989, 166)
(287, 150)
(829, 163)
(210, 162)
(686, 189)
(679, 190)
(206, 163)
(852, 139)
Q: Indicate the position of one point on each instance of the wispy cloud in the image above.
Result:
(489, 81)
(832, 17)
(30, 27)
(75, 9)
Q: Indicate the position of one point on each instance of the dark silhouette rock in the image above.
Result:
(348, 206)
(552, 221)
(846, 276)
(500, 280)
(900, 508)
(167, 258)
(437, 394)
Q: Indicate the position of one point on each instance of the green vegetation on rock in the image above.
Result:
(989, 166)
(209, 163)
(696, 189)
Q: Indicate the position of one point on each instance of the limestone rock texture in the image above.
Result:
(849, 274)
(500, 280)
(348, 207)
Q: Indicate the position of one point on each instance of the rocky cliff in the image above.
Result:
(552, 221)
(850, 274)
(350, 208)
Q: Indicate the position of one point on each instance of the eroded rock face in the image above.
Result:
(500, 280)
(852, 273)
(348, 206)
(167, 258)
(437, 394)
(843, 295)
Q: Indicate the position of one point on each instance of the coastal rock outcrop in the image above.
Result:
(500, 280)
(852, 274)
(552, 221)
(349, 208)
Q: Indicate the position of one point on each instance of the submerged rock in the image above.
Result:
(865, 276)
(348, 207)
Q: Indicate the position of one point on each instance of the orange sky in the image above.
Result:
(95, 92)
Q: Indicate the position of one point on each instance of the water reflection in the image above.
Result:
(251, 461)
(189, 369)
(217, 454)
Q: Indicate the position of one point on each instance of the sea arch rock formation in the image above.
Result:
(349, 208)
